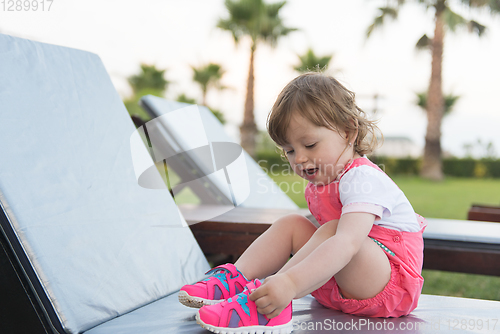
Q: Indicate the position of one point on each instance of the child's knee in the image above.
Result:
(297, 227)
(294, 222)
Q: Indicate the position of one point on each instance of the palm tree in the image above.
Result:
(208, 76)
(444, 17)
(311, 62)
(185, 99)
(449, 101)
(261, 22)
(149, 78)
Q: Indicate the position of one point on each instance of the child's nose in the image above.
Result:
(301, 158)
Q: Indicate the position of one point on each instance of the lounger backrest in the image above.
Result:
(93, 243)
(175, 133)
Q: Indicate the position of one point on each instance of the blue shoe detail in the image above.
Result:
(222, 278)
(220, 274)
(243, 300)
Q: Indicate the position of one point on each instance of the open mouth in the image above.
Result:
(310, 172)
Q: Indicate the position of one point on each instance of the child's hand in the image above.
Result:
(274, 295)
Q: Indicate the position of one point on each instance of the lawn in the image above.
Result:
(451, 198)
(448, 199)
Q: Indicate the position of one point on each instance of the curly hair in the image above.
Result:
(324, 101)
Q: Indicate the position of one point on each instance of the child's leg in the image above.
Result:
(366, 274)
(363, 277)
(320, 235)
(270, 251)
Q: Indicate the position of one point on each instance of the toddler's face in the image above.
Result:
(316, 153)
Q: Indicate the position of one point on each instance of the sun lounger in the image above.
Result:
(85, 248)
(181, 131)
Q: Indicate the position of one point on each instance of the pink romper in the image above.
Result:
(403, 249)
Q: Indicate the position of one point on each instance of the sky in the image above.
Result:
(175, 35)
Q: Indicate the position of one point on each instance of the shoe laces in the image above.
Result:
(242, 300)
(220, 274)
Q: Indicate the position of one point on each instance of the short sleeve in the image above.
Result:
(374, 209)
(367, 185)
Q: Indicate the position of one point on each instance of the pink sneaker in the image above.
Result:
(225, 281)
(238, 314)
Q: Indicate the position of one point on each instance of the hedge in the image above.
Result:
(458, 167)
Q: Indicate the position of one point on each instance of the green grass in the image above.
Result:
(293, 186)
(461, 285)
(450, 199)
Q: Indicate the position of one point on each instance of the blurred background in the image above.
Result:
(202, 51)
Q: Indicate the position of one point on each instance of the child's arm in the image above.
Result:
(331, 254)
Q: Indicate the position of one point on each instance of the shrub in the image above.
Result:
(458, 167)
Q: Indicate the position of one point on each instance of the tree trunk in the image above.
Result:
(248, 130)
(432, 163)
(204, 98)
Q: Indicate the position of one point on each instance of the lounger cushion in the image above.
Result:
(435, 314)
(100, 244)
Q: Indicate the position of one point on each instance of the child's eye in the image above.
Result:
(311, 146)
(289, 152)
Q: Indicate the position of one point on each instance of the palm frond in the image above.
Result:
(241, 13)
(208, 76)
(149, 77)
(391, 12)
(423, 43)
(449, 101)
(476, 27)
(274, 8)
(453, 20)
(475, 3)
(256, 19)
(311, 62)
(421, 100)
(232, 28)
(185, 99)
(493, 5)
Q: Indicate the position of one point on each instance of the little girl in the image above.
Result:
(365, 259)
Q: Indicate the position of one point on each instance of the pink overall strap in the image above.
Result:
(357, 163)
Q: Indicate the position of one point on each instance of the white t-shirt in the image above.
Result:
(366, 189)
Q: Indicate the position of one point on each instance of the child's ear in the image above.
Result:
(352, 135)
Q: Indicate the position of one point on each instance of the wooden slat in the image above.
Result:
(484, 213)
(472, 258)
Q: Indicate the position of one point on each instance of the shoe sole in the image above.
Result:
(280, 329)
(195, 302)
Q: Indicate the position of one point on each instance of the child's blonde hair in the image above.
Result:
(325, 102)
